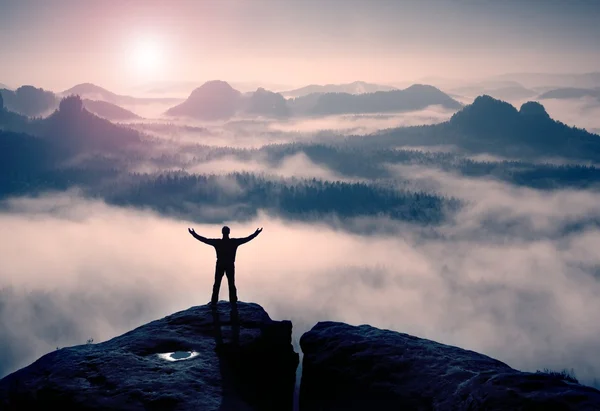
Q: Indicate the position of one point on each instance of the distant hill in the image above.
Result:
(528, 131)
(30, 149)
(73, 128)
(76, 128)
(179, 88)
(488, 116)
(570, 92)
(266, 103)
(108, 110)
(531, 80)
(10, 120)
(496, 127)
(357, 87)
(217, 100)
(214, 100)
(94, 92)
(29, 101)
(91, 91)
(415, 97)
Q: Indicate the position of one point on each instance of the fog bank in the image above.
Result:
(75, 269)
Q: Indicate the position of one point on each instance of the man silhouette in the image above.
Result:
(226, 248)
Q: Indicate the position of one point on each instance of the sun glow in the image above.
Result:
(146, 57)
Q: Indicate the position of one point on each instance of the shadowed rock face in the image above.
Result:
(359, 368)
(195, 359)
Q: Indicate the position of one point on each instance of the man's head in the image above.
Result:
(225, 231)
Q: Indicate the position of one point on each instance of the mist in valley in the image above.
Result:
(512, 273)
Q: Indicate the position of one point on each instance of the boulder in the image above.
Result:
(197, 359)
(361, 367)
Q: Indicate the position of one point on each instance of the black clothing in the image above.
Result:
(226, 248)
(228, 270)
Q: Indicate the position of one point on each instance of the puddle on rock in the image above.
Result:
(178, 355)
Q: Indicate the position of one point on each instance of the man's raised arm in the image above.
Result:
(199, 237)
(250, 237)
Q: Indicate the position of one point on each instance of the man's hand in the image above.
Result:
(191, 231)
(258, 231)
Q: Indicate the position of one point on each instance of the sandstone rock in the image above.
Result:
(365, 368)
(195, 359)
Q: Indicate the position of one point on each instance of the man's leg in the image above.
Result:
(230, 272)
(219, 271)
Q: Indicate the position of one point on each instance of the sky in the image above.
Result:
(122, 43)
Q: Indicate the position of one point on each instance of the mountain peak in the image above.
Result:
(487, 101)
(422, 87)
(29, 100)
(71, 105)
(213, 100)
(84, 88)
(487, 114)
(215, 86)
(533, 108)
(486, 104)
(214, 89)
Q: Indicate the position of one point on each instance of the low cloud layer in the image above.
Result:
(582, 112)
(502, 278)
(257, 132)
(298, 166)
(359, 124)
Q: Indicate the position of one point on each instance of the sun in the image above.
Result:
(146, 57)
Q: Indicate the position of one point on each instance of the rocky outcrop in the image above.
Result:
(359, 368)
(197, 359)
(200, 359)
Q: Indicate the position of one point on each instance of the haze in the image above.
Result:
(290, 43)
